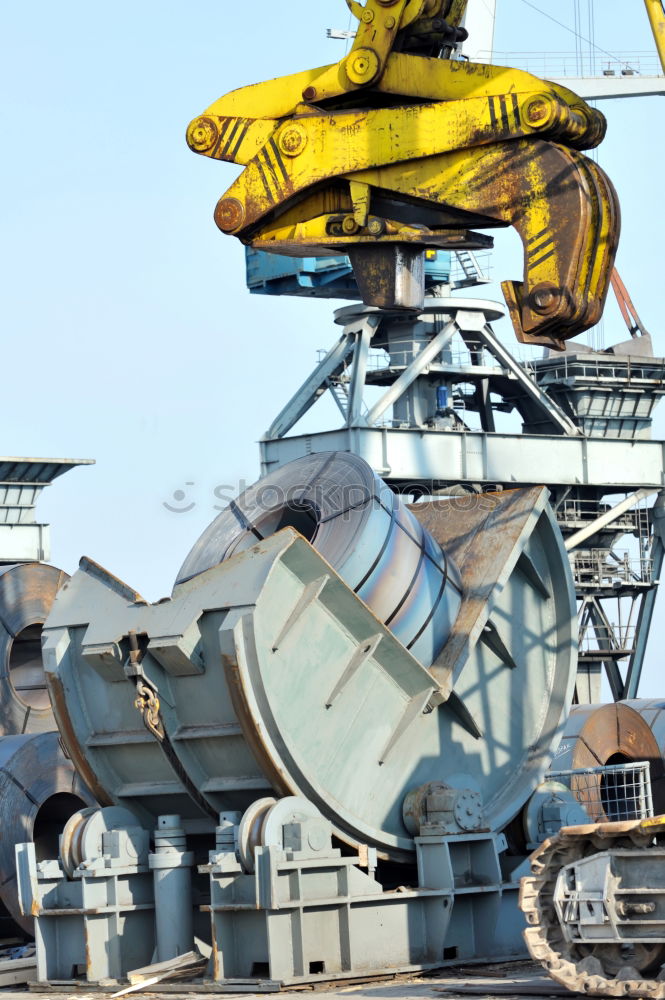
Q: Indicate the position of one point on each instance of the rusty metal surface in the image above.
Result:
(390, 277)
(465, 526)
(596, 735)
(27, 592)
(564, 209)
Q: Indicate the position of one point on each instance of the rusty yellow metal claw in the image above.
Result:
(391, 148)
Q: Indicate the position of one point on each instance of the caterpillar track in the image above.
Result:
(595, 908)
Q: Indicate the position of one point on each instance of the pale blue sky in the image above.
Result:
(128, 334)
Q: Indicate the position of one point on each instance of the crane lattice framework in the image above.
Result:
(622, 634)
(593, 408)
(586, 433)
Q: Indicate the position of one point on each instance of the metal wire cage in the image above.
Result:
(614, 792)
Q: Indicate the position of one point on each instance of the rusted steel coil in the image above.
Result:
(652, 710)
(596, 736)
(27, 592)
(39, 791)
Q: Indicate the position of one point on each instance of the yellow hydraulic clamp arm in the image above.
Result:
(384, 23)
(392, 151)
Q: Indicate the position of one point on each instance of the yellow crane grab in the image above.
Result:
(393, 151)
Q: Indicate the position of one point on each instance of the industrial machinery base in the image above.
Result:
(329, 730)
(286, 904)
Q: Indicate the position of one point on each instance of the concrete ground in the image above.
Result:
(519, 980)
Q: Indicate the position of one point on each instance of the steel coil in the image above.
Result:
(652, 710)
(27, 592)
(267, 676)
(362, 529)
(598, 735)
(39, 791)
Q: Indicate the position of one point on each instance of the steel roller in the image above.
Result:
(27, 592)
(39, 791)
(362, 529)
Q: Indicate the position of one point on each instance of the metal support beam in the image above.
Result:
(422, 455)
(358, 375)
(410, 374)
(314, 386)
(645, 616)
(473, 323)
(607, 518)
(604, 629)
(588, 683)
(589, 673)
(611, 88)
(551, 409)
(484, 403)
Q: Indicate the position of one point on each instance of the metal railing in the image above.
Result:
(456, 354)
(614, 792)
(471, 266)
(608, 568)
(607, 639)
(610, 368)
(579, 513)
(554, 65)
(377, 360)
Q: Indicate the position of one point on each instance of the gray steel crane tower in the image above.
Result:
(446, 379)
